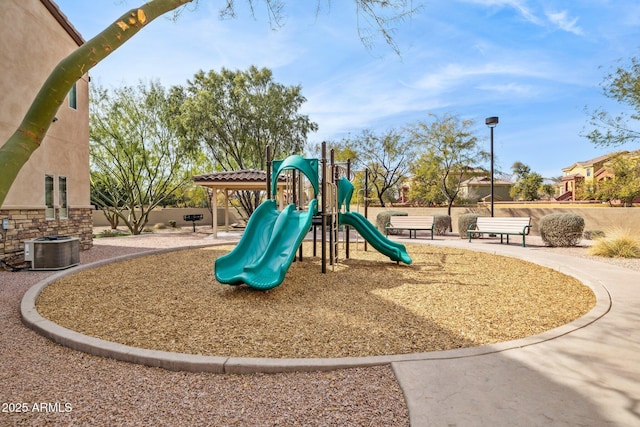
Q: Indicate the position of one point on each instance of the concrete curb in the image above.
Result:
(238, 365)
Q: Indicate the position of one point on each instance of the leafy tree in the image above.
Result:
(386, 156)
(234, 115)
(192, 195)
(425, 186)
(625, 185)
(547, 190)
(17, 150)
(449, 149)
(136, 159)
(527, 185)
(622, 85)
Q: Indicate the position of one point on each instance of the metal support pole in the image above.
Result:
(300, 206)
(491, 171)
(332, 226)
(366, 199)
(346, 227)
(323, 215)
(491, 122)
(268, 156)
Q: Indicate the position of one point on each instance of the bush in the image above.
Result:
(465, 221)
(561, 229)
(159, 226)
(112, 233)
(172, 223)
(441, 224)
(382, 219)
(593, 234)
(620, 245)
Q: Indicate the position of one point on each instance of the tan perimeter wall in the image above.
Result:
(164, 215)
(598, 217)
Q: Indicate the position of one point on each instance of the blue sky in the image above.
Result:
(535, 64)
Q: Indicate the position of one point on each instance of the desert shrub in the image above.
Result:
(464, 221)
(441, 224)
(593, 234)
(159, 226)
(621, 244)
(172, 223)
(110, 233)
(561, 229)
(382, 219)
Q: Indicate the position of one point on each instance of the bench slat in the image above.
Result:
(503, 226)
(411, 223)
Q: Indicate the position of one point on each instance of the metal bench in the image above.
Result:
(411, 223)
(504, 226)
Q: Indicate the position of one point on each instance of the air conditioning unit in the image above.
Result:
(52, 253)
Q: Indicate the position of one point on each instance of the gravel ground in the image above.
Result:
(80, 389)
(54, 385)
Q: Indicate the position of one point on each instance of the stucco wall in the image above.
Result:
(33, 42)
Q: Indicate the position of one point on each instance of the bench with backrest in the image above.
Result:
(504, 226)
(411, 223)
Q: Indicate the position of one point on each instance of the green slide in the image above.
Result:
(394, 250)
(267, 247)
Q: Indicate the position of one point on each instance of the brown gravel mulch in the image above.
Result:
(448, 298)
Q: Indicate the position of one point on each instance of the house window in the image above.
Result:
(588, 171)
(50, 212)
(73, 97)
(62, 197)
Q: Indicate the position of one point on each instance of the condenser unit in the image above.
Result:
(52, 253)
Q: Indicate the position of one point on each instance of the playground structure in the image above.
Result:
(272, 237)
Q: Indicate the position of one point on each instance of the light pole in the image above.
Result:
(491, 122)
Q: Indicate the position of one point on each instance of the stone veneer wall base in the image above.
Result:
(27, 224)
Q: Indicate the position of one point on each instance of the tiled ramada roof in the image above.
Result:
(247, 175)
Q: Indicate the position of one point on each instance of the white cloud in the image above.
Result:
(511, 89)
(519, 5)
(562, 21)
(453, 75)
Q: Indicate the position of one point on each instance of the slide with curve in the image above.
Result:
(394, 250)
(267, 247)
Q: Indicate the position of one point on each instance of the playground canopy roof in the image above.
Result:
(247, 180)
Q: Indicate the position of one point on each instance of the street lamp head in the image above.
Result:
(491, 121)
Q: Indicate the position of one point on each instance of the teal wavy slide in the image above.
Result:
(267, 247)
(394, 250)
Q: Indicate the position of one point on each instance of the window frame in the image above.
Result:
(73, 96)
(63, 198)
(49, 197)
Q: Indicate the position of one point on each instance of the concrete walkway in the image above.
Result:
(588, 377)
